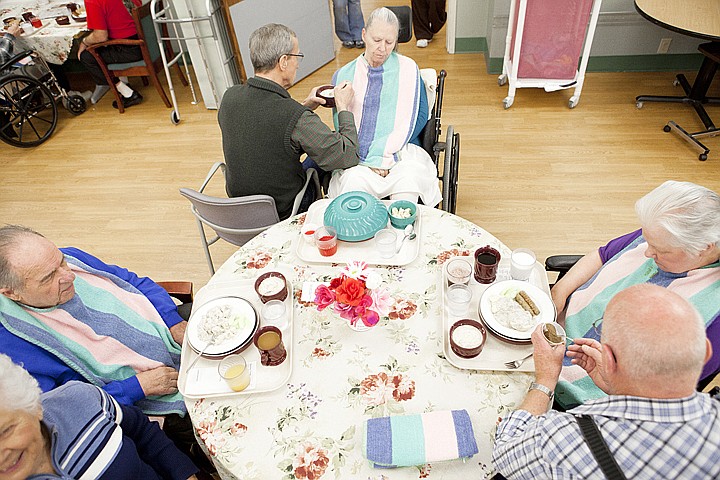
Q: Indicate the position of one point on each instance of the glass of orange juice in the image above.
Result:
(236, 372)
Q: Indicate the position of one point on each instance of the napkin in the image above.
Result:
(406, 440)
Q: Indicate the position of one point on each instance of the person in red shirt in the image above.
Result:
(110, 20)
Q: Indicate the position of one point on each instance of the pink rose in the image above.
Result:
(324, 297)
(382, 301)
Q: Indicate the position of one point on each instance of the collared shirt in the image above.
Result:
(329, 150)
(649, 438)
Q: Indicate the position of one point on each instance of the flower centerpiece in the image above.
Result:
(356, 295)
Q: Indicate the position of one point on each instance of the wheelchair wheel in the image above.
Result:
(76, 104)
(28, 113)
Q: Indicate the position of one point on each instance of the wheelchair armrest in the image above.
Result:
(561, 263)
(15, 58)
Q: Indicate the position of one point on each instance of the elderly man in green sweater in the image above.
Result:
(265, 131)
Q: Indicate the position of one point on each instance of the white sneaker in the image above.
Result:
(422, 43)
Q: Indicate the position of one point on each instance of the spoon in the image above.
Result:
(409, 233)
(208, 345)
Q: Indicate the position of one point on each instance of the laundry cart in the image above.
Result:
(544, 44)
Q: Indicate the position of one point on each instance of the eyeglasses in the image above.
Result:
(597, 328)
(299, 56)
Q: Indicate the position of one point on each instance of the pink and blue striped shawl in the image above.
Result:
(386, 106)
(626, 268)
(108, 331)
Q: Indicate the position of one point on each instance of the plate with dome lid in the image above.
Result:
(357, 217)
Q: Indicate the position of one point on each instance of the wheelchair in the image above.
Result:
(29, 93)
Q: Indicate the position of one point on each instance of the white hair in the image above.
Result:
(384, 15)
(674, 348)
(18, 389)
(688, 212)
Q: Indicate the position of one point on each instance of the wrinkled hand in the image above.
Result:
(380, 171)
(178, 331)
(344, 96)
(158, 381)
(14, 29)
(548, 359)
(313, 100)
(587, 353)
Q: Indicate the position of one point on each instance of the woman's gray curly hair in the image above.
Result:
(18, 389)
(688, 212)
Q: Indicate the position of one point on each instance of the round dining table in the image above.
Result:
(308, 421)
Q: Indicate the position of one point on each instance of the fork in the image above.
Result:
(516, 363)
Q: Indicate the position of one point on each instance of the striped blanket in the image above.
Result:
(628, 267)
(108, 331)
(386, 113)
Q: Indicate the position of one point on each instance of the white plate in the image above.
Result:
(365, 250)
(541, 299)
(242, 337)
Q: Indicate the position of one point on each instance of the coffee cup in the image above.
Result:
(486, 264)
(268, 341)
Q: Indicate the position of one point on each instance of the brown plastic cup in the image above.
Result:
(268, 341)
(486, 264)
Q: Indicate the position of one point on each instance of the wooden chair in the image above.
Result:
(145, 68)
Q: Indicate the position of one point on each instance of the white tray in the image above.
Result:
(204, 381)
(496, 352)
(365, 250)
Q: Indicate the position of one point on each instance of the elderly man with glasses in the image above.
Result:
(265, 131)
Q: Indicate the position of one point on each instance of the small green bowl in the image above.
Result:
(402, 222)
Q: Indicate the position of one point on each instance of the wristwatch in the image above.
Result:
(543, 389)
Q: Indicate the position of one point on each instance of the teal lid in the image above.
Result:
(356, 216)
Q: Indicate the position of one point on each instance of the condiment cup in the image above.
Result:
(554, 333)
(522, 261)
(274, 294)
(385, 242)
(235, 371)
(458, 299)
(462, 336)
(274, 313)
(308, 232)
(458, 270)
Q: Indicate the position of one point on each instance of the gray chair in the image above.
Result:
(237, 220)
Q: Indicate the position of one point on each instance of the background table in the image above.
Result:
(54, 42)
(314, 426)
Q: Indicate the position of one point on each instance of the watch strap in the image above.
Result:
(543, 389)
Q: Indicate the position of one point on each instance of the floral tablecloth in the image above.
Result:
(54, 42)
(313, 427)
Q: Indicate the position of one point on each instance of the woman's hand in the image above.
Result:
(380, 171)
(14, 29)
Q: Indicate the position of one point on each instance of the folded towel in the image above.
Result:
(406, 440)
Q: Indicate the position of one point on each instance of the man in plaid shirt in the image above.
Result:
(649, 359)
(7, 42)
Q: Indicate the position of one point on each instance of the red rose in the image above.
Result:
(350, 291)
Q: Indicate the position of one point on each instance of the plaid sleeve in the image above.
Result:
(7, 44)
(330, 150)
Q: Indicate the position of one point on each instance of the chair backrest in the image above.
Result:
(235, 220)
(404, 16)
(146, 29)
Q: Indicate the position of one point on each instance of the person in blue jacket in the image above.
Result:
(78, 431)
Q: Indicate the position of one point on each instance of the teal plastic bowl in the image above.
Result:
(356, 216)
(402, 222)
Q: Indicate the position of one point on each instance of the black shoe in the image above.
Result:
(348, 44)
(133, 99)
(359, 44)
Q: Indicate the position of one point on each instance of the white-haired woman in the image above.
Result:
(678, 247)
(77, 431)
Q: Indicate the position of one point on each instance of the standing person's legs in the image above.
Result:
(356, 22)
(437, 15)
(421, 21)
(342, 23)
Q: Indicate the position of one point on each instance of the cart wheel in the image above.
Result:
(703, 157)
(572, 103)
(639, 105)
(666, 128)
(507, 102)
(502, 80)
(174, 117)
(76, 104)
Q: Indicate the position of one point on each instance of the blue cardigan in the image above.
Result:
(51, 372)
(91, 435)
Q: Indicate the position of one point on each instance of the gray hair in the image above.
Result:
(384, 15)
(9, 237)
(268, 43)
(655, 333)
(18, 389)
(688, 212)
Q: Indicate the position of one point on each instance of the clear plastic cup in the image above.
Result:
(458, 299)
(386, 242)
(522, 261)
(274, 313)
(459, 270)
(326, 241)
(235, 371)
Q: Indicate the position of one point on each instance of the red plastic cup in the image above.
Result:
(35, 22)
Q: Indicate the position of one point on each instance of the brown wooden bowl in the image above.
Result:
(322, 92)
(465, 352)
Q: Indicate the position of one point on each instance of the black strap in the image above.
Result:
(599, 448)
